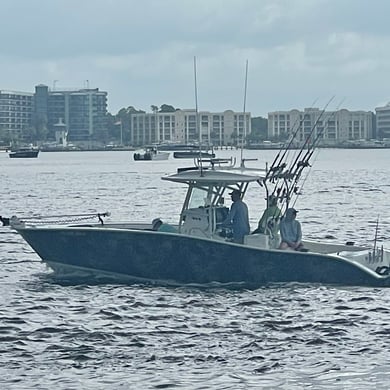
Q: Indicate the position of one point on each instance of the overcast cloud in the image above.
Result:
(142, 52)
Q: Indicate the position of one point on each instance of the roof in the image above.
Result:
(216, 176)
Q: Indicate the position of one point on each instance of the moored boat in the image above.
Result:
(175, 147)
(28, 152)
(193, 154)
(150, 153)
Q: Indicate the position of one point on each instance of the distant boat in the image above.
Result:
(265, 145)
(170, 146)
(150, 153)
(193, 154)
(28, 152)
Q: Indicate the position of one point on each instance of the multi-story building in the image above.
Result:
(383, 121)
(83, 111)
(332, 127)
(188, 126)
(15, 114)
(152, 128)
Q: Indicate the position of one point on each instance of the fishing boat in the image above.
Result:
(199, 250)
(150, 153)
(26, 152)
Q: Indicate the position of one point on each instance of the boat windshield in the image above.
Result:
(199, 198)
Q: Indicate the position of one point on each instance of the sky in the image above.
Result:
(300, 53)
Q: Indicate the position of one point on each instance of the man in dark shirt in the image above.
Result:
(238, 218)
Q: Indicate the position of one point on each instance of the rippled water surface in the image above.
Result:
(88, 335)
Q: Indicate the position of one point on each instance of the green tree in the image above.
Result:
(121, 123)
(259, 131)
(167, 108)
(39, 123)
(5, 138)
(234, 137)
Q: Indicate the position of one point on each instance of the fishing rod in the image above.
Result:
(296, 162)
(284, 192)
(319, 134)
(280, 161)
(307, 157)
(293, 173)
(287, 148)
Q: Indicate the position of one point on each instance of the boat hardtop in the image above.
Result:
(216, 176)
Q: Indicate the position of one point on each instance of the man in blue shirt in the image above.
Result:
(238, 218)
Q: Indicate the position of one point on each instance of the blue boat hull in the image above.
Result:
(24, 154)
(175, 259)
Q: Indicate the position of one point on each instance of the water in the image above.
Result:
(64, 335)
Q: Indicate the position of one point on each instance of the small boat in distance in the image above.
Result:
(150, 153)
(173, 147)
(24, 152)
(193, 154)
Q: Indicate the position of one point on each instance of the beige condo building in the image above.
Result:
(332, 127)
(188, 126)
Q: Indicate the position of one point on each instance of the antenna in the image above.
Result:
(244, 113)
(197, 118)
(196, 103)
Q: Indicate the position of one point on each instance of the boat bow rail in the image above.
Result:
(63, 219)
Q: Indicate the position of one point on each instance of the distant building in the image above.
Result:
(187, 126)
(83, 111)
(383, 121)
(332, 127)
(15, 114)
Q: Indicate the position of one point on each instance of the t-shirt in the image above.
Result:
(238, 216)
(272, 213)
(290, 230)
